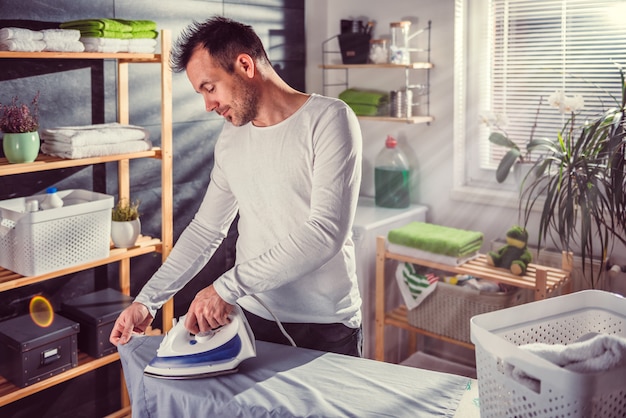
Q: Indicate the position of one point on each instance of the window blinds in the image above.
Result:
(538, 47)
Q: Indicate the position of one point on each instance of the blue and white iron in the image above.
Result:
(183, 355)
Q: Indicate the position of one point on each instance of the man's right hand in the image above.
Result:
(135, 318)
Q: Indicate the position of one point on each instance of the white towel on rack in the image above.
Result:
(22, 45)
(21, 34)
(64, 46)
(98, 134)
(72, 152)
(110, 45)
(60, 34)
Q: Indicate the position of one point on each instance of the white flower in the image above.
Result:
(494, 120)
(564, 103)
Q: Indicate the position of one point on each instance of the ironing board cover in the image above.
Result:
(292, 382)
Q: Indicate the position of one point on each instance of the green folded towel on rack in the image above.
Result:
(363, 109)
(364, 97)
(112, 25)
(139, 25)
(105, 34)
(437, 239)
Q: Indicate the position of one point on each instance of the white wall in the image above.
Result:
(429, 146)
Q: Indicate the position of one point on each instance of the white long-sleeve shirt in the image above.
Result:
(295, 185)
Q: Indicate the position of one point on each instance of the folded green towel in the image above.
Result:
(364, 97)
(139, 25)
(105, 34)
(363, 110)
(437, 239)
(146, 34)
(113, 25)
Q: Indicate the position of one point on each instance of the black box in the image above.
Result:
(30, 353)
(355, 47)
(96, 312)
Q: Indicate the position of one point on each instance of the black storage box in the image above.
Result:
(355, 47)
(30, 353)
(96, 312)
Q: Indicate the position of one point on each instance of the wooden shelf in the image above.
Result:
(10, 280)
(11, 393)
(411, 66)
(120, 56)
(46, 162)
(545, 281)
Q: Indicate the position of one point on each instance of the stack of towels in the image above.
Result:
(26, 40)
(436, 243)
(365, 102)
(94, 140)
(116, 35)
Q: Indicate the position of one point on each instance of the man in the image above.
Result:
(290, 164)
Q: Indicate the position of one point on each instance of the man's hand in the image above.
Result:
(207, 311)
(135, 318)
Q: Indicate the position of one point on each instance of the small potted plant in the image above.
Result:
(20, 122)
(125, 224)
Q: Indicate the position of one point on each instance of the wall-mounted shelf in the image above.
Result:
(345, 83)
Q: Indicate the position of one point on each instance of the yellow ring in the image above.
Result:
(41, 311)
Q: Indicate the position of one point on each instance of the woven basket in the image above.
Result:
(448, 309)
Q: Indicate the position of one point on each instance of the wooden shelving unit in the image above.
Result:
(545, 281)
(10, 280)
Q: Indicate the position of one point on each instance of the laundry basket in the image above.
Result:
(34, 243)
(556, 391)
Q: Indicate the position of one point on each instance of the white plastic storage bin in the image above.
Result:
(34, 243)
(557, 392)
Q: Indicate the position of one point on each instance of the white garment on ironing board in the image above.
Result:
(295, 186)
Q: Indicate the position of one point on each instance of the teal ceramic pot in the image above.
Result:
(21, 147)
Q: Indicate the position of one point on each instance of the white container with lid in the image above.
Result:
(399, 51)
(379, 51)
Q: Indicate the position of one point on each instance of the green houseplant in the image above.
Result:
(579, 186)
(20, 122)
(125, 223)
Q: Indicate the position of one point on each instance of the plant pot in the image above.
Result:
(125, 233)
(21, 147)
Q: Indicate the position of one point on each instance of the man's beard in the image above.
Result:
(245, 102)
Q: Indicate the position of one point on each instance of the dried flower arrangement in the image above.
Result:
(19, 118)
(125, 210)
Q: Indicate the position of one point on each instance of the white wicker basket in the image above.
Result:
(563, 393)
(448, 309)
(34, 243)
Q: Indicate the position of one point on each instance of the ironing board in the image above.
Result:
(284, 381)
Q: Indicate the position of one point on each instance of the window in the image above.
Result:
(512, 54)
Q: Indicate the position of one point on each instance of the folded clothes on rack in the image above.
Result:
(437, 239)
(60, 35)
(365, 102)
(105, 44)
(64, 46)
(20, 33)
(62, 150)
(26, 40)
(98, 134)
(113, 28)
(22, 45)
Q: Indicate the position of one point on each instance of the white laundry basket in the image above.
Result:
(561, 393)
(34, 243)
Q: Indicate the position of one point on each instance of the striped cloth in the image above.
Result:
(414, 286)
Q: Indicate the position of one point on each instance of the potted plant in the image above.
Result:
(19, 122)
(125, 223)
(580, 186)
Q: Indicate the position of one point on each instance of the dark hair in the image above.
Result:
(223, 38)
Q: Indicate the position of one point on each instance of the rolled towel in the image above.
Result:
(72, 152)
(64, 46)
(23, 46)
(60, 34)
(22, 34)
(437, 239)
(98, 134)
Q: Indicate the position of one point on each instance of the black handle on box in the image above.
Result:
(50, 356)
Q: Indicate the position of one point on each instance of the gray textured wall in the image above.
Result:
(75, 92)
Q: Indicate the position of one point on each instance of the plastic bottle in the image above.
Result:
(392, 174)
(52, 199)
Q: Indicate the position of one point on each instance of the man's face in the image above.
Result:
(232, 96)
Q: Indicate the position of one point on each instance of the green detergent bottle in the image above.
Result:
(392, 174)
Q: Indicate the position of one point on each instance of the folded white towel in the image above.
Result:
(600, 353)
(110, 45)
(22, 34)
(73, 152)
(60, 34)
(23, 46)
(64, 46)
(98, 134)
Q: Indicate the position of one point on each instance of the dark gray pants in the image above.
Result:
(335, 338)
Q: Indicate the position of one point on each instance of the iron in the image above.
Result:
(183, 355)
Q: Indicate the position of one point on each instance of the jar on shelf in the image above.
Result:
(379, 51)
(399, 51)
